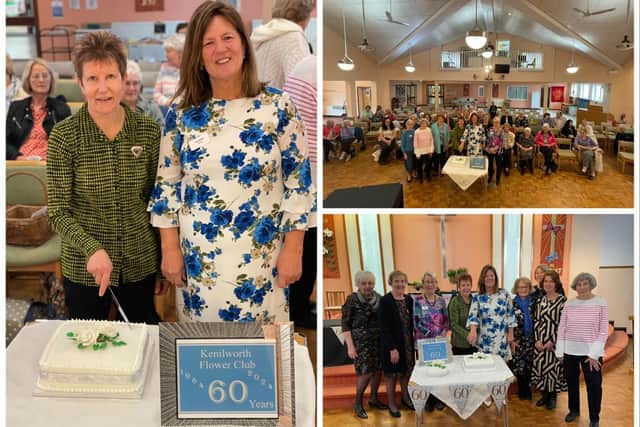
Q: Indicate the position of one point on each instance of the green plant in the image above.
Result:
(454, 273)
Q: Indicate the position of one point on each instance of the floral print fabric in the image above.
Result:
(430, 320)
(474, 138)
(234, 175)
(493, 313)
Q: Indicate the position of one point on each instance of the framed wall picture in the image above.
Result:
(149, 5)
(330, 265)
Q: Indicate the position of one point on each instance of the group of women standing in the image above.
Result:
(544, 338)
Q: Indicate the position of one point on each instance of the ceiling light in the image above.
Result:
(572, 68)
(625, 44)
(346, 63)
(487, 52)
(410, 68)
(476, 38)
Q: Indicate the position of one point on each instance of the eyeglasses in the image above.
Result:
(40, 76)
(133, 83)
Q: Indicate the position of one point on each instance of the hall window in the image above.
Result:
(517, 93)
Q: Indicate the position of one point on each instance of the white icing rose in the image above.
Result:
(87, 337)
(108, 331)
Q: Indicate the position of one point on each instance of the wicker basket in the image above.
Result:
(28, 225)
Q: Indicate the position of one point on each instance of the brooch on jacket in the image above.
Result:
(136, 150)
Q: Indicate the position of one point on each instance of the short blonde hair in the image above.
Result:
(175, 42)
(133, 70)
(26, 75)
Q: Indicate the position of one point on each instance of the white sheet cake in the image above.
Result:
(479, 362)
(114, 369)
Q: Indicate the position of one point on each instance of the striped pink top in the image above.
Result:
(583, 328)
(304, 97)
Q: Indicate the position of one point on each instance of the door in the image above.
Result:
(535, 99)
(364, 98)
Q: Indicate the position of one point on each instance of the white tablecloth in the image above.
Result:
(462, 391)
(24, 410)
(457, 167)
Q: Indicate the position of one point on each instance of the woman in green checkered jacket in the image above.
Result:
(101, 165)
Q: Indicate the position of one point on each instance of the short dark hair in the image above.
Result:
(180, 26)
(464, 277)
(100, 46)
(293, 10)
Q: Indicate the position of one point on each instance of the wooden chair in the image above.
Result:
(333, 302)
(539, 157)
(568, 154)
(625, 153)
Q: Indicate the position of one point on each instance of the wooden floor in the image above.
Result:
(617, 408)
(27, 287)
(564, 189)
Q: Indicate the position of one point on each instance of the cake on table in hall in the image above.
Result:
(479, 362)
(95, 357)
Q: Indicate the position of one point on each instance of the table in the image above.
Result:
(25, 410)
(461, 173)
(462, 391)
(372, 196)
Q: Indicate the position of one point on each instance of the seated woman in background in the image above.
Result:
(14, 85)
(458, 312)
(347, 138)
(366, 114)
(169, 75)
(491, 320)
(526, 150)
(548, 374)
(361, 333)
(522, 345)
(30, 120)
(395, 317)
(569, 130)
(547, 143)
(588, 147)
(387, 138)
(330, 138)
(378, 116)
(582, 335)
(133, 94)
(430, 320)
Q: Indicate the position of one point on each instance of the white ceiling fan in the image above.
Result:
(389, 17)
(587, 13)
(364, 45)
(626, 44)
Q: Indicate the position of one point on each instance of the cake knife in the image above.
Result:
(119, 307)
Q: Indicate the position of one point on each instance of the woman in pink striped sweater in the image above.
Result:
(582, 334)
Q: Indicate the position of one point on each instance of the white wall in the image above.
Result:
(588, 243)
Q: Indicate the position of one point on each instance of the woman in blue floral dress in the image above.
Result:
(233, 192)
(491, 319)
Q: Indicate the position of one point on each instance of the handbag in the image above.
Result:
(599, 162)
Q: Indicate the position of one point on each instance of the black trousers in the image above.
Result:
(300, 291)
(528, 163)
(592, 379)
(497, 159)
(387, 152)
(136, 299)
(424, 164)
(547, 152)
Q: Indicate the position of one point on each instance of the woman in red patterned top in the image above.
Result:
(29, 121)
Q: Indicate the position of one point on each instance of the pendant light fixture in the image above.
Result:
(572, 68)
(487, 53)
(346, 63)
(410, 68)
(476, 38)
